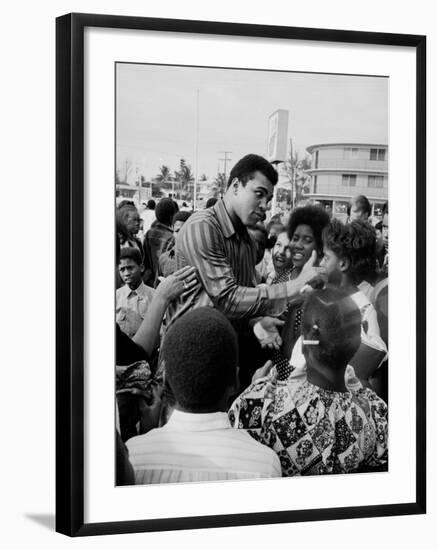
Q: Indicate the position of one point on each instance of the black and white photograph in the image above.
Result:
(252, 266)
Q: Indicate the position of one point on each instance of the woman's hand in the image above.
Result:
(178, 283)
(262, 371)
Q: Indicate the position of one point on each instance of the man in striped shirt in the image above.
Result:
(198, 443)
(217, 243)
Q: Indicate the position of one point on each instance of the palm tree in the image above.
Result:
(220, 182)
(164, 178)
(185, 177)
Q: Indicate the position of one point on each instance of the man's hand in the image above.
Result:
(262, 371)
(266, 331)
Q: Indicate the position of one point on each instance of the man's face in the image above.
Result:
(358, 214)
(385, 230)
(331, 262)
(281, 254)
(130, 272)
(132, 221)
(250, 201)
(302, 244)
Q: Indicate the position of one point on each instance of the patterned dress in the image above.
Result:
(314, 431)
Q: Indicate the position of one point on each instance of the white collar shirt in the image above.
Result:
(131, 307)
(199, 447)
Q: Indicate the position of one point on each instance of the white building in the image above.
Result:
(340, 171)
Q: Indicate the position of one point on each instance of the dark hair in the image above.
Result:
(200, 353)
(362, 204)
(246, 167)
(151, 204)
(181, 216)
(121, 213)
(385, 209)
(379, 226)
(165, 211)
(175, 205)
(130, 253)
(315, 217)
(332, 318)
(355, 241)
(125, 202)
(210, 202)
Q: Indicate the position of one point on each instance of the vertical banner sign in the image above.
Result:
(278, 132)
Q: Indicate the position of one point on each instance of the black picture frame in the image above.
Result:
(70, 273)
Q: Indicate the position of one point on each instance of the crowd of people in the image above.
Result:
(247, 349)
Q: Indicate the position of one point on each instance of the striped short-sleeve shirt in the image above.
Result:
(224, 258)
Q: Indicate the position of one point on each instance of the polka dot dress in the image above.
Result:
(282, 363)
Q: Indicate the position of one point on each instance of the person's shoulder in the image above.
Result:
(255, 448)
(121, 291)
(140, 442)
(202, 216)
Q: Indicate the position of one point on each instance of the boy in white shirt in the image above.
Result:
(132, 299)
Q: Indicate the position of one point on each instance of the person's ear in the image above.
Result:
(235, 183)
(142, 268)
(344, 264)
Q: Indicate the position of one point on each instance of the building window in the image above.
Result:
(376, 182)
(349, 180)
(317, 160)
(377, 154)
(315, 185)
(350, 153)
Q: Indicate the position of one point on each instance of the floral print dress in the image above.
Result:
(314, 431)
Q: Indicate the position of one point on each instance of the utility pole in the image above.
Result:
(225, 160)
(196, 151)
(293, 175)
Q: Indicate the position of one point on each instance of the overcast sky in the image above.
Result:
(156, 113)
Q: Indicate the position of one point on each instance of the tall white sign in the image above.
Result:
(278, 132)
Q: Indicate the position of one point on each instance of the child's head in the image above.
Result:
(127, 219)
(305, 232)
(165, 210)
(179, 219)
(331, 328)
(281, 254)
(349, 252)
(200, 353)
(131, 267)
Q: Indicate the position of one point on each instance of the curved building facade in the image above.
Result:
(340, 171)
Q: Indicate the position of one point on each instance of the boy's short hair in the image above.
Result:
(355, 241)
(362, 203)
(200, 353)
(165, 210)
(332, 318)
(130, 253)
(246, 167)
(312, 215)
(151, 204)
